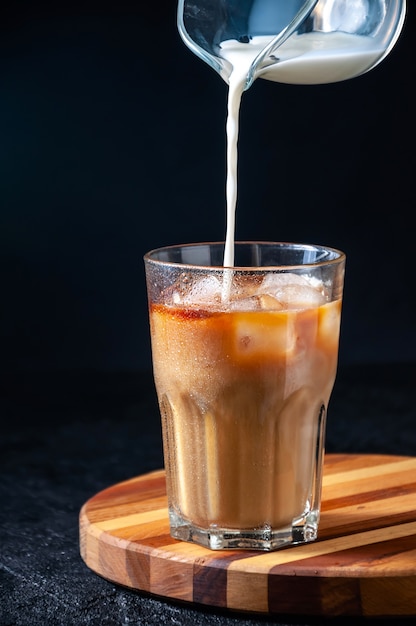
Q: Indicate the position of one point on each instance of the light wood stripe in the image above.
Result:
(136, 519)
(401, 469)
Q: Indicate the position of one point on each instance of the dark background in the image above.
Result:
(112, 142)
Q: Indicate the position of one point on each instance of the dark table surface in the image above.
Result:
(66, 436)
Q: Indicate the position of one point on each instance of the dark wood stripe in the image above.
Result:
(330, 597)
(369, 496)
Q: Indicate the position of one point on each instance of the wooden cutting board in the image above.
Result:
(363, 563)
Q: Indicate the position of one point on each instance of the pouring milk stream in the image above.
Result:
(324, 41)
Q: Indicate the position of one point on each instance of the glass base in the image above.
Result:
(302, 530)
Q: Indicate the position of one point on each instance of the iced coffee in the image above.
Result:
(244, 361)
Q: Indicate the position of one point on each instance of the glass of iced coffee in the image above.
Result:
(244, 361)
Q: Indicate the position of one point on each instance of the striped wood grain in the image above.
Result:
(363, 563)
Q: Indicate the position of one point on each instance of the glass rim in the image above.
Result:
(339, 257)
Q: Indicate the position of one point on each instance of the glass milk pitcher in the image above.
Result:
(292, 41)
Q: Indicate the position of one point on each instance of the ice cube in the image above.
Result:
(274, 282)
(245, 304)
(300, 297)
(293, 291)
(265, 334)
(268, 302)
(262, 302)
(245, 285)
(204, 291)
(329, 323)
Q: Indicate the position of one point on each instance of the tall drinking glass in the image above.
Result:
(244, 361)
